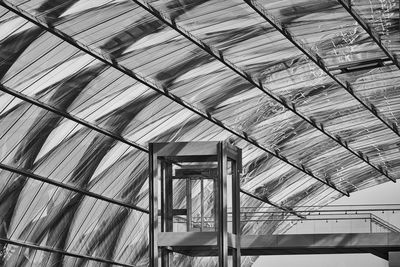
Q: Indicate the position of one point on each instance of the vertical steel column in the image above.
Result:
(201, 204)
(236, 170)
(154, 177)
(168, 197)
(222, 206)
(163, 201)
(216, 209)
(189, 204)
(166, 210)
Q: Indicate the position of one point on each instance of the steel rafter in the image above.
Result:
(320, 63)
(158, 88)
(288, 210)
(70, 117)
(69, 187)
(347, 4)
(65, 253)
(217, 54)
(92, 127)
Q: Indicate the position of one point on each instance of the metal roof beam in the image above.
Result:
(70, 187)
(217, 54)
(288, 210)
(347, 4)
(58, 251)
(94, 128)
(163, 91)
(314, 57)
(70, 117)
(320, 63)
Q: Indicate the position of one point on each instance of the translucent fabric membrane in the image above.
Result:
(70, 153)
(291, 75)
(328, 29)
(220, 71)
(38, 257)
(338, 39)
(49, 216)
(141, 114)
(383, 17)
(379, 87)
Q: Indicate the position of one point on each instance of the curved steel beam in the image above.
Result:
(70, 187)
(70, 117)
(320, 63)
(371, 32)
(90, 126)
(163, 91)
(288, 210)
(65, 253)
(217, 54)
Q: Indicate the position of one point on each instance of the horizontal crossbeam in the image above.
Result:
(65, 253)
(376, 243)
(163, 91)
(288, 210)
(347, 4)
(315, 58)
(219, 55)
(196, 244)
(69, 187)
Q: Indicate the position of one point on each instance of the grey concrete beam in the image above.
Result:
(203, 244)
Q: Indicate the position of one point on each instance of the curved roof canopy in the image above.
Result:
(307, 88)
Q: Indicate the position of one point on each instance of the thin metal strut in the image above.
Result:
(157, 88)
(64, 253)
(218, 54)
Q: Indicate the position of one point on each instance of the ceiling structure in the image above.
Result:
(307, 88)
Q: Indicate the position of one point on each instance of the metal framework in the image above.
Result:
(273, 204)
(319, 62)
(100, 130)
(161, 157)
(217, 54)
(71, 117)
(347, 4)
(271, 179)
(62, 252)
(165, 92)
(70, 187)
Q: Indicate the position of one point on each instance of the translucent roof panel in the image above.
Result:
(299, 80)
(327, 29)
(383, 18)
(301, 87)
(224, 106)
(49, 216)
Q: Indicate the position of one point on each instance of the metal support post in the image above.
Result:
(154, 177)
(222, 207)
(236, 170)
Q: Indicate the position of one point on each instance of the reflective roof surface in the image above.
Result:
(307, 88)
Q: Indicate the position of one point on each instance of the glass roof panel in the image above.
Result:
(98, 70)
(383, 17)
(50, 216)
(326, 28)
(306, 92)
(220, 71)
(378, 86)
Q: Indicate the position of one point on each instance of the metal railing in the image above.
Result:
(328, 219)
